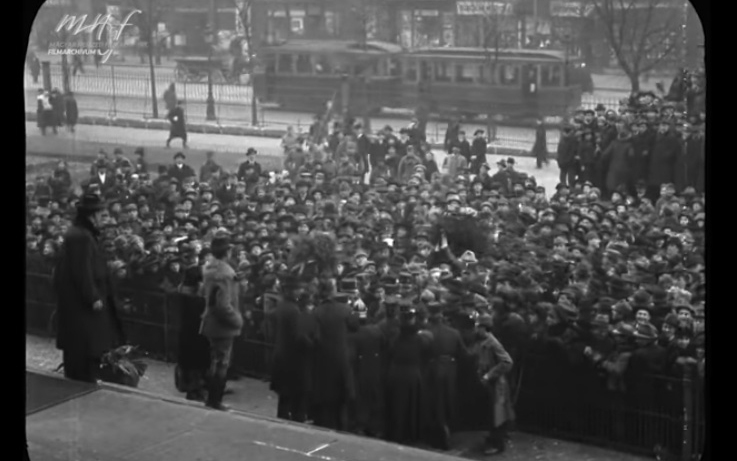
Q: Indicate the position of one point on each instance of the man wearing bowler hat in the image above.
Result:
(222, 320)
(178, 127)
(88, 325)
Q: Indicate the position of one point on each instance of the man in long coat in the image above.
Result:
(494, 363)
(88, 325)
(333, 385)
(293, 342)
(178, 127)
(222, 320)
(689, 162)
(447, 349)
(665, 151)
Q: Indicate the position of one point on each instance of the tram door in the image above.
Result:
(530, 86)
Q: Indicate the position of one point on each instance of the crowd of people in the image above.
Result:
(377, 275)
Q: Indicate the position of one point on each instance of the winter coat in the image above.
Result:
(689, 163)
(567, 150)
(666, 150)
(494, 364)
(80, 279)
(71, 110)
(222, 317)
(618, 157)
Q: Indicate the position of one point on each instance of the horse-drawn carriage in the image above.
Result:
(194, 69)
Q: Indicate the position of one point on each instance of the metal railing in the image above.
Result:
(125, 91)
(553, 398)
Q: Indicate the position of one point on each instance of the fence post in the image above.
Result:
(688, 414)
(112, 74)
(166, 327)
(46, 73)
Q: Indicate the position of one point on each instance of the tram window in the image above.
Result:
(551, 76)
(425, 71)
(442, 73)
(509, 75)
(304, 64)
(394, 67)
(410, 72)
(466, 73)
(323, 66)
(285, 64)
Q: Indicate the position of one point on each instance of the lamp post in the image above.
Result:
(210, 115)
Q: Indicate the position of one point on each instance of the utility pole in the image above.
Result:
(150, 33)
(210, 115)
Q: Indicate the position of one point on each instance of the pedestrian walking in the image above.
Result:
(88, 325)
(77, 65)
(44, 112)
(170, 97)
(178, 128)
(34, 65)
(540, 148)
(56, 99)
(71, 110)
(222, 320)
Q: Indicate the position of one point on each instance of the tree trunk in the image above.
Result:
(634, 77)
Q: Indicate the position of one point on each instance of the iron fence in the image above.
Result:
(120, 91)
(552, 397)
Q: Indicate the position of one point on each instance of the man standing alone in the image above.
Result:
(178, 128)
(88, 325)
(222, 320)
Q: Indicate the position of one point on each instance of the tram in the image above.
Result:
(302, 75)
(508, 83)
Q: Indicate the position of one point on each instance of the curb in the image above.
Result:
(233, 130)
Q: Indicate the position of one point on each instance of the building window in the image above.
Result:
(468, 31)
(410, 72)
(428, 28)
(332, 24)
(405, 29)
(277, 26)
(551, 76)
(442, 72)
(304, 64)
(284, 64)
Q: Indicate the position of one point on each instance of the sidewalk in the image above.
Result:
(253, 397)
(88, 140)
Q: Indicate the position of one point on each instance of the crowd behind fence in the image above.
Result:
(553, 398)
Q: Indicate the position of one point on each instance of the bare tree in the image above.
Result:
(641, 33)
(495, 21)
(244, 15)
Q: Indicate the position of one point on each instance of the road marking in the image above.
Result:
(292, 450)
(321, 447)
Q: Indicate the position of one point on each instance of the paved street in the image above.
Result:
(239, 114)
(88, 140)
(253, 396)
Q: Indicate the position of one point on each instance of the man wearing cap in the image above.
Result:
(87, 321)
(455, 163)
(447, 350)
(210, 168)
(494, 363)
(249, 163)
(666, 148)
(178, 127)
(540, 148)
(180, 170)
(567, 154)
(478, 151)
(293, 344)
(222, 320)
(104, 178)
(690, 160)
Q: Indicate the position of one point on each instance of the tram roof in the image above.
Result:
(504, 53)
(334, 46)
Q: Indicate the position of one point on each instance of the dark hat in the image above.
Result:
(646, 331)
(179, 155)
(220, 244)
(600, 107)
(90, 203)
